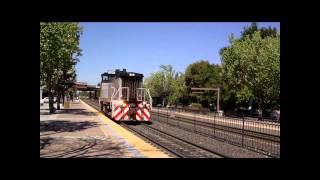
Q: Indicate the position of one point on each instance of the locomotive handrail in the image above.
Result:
(114, 93)
(112, 107)
(150, 98)
(138, 97)
(114, 89)
(127, 92)
(112, 97)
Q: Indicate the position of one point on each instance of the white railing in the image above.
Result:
(119, 93)
(144, 90)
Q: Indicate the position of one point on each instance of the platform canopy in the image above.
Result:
(82, 86)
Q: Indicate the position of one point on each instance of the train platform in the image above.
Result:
(80, 131)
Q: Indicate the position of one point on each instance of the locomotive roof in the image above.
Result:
(123, 73)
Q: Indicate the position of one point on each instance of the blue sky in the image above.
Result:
(143, 47)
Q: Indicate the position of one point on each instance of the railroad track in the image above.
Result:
(261, 145)
(174, 145)
(228, 122)
(252, 142)
(251, 134)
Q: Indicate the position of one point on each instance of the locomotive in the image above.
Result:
(123, 98)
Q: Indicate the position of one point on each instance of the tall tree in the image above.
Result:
(59, 47)
(67, 75)
(202, 74)
(165, 83)
(249, 31)
(252, 68)
(264, 32)
(177, 89)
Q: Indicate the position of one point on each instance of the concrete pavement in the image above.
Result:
(80, 132)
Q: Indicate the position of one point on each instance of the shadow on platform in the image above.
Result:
(79, 148)
(77, 112)
(58, 126)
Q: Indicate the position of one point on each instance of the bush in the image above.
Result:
(196, 106)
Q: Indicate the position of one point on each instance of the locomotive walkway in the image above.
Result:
(83, 132)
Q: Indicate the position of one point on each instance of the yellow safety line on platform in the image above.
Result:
(126, 153)
(144, 148)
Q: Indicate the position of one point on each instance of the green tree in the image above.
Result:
(155, 84)
(228, 98)
(178, 91)
(252, 68)
(264, 32)
(66, 77)
(249, 31)
(202, 74)
(165, 84)
(59, 52)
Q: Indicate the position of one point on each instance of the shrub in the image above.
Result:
(196, 106)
